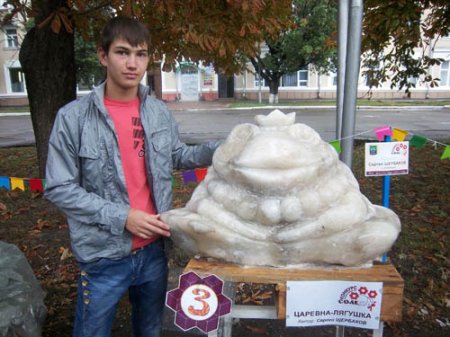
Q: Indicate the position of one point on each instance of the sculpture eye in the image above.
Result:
(243, 132)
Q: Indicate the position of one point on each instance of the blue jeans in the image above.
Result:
(103, 283)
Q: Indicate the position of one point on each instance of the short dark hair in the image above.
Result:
(129, 29)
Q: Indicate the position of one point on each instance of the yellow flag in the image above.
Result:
(399, 134)
(17, 183)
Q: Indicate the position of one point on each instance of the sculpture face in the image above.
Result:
(278, 195)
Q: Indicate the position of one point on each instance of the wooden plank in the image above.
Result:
(393, 284)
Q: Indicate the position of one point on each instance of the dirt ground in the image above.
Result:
(421, 254)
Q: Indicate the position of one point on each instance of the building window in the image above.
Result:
(289, 80)
(263, 84)
(303, 78)
(445, 74)
(12, 40)
(17, 80)
(297, 79)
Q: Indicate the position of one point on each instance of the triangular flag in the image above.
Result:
(36, 185)
(446, 153)
(189, 177)
(200, 173)
(383, 131)
(399, 134)
(417, 141)
(4, 182)
(17, 183)
(337, 145)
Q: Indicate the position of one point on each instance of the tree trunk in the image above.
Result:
(47, 59)
(273, 85)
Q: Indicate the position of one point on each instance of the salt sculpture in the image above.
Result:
(277, 194)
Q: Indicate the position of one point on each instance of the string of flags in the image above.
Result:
(399, 135)
(30, 184)
(198, 174)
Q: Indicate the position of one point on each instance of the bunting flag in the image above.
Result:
(189, 177)
(399, 134)
(417, 141)
(446, 153)
(200, 174)
(36, 185)
(383, 131)
(5, 182)
(17, 183)
(337, 145)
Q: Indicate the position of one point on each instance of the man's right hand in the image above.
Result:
(146, 225)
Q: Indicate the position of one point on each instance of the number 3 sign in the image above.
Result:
(198, 302)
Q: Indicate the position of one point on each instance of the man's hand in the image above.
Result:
(146, 225)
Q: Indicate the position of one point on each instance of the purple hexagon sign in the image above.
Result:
(198, 302)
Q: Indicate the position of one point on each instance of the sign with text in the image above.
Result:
(389, 158)
(347, 303)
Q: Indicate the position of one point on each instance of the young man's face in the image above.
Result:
(125, 65)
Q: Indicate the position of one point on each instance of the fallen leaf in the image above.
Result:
(3, 207)
(65, 254)
(411, 312)
(430, 306)
(42, 224)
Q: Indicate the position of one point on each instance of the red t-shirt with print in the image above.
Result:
(130, 134)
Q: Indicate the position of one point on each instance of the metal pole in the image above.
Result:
(260, 80)
(259, 75)
(343, 16)
(340, 331)
(351, 80)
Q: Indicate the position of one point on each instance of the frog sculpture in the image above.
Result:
(278, 195)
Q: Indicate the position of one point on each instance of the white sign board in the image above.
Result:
(347, 303)
(389, 158)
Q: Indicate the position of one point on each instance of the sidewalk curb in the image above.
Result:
(12, 114)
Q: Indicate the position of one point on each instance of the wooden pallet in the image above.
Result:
(393, 284)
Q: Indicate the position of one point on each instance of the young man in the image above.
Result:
(109, 168)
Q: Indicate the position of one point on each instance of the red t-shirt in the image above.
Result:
(130, 134)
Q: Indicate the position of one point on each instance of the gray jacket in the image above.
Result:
(85, 178)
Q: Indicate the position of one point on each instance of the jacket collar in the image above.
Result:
(99, 94)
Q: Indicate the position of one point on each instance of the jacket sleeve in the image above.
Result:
(63, 180)
(190, 156)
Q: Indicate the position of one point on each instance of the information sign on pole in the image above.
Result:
(390, 158)
(345, 303)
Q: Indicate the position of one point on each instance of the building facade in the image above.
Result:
(308, 84)
(12, 79)
(192, 82)
(202, 83)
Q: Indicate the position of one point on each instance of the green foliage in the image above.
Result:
(399, 37)
(89, 69)
(310, 41)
